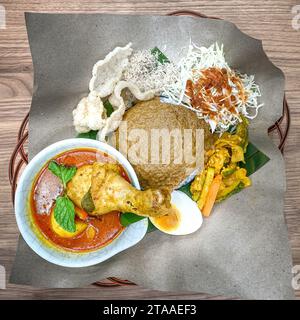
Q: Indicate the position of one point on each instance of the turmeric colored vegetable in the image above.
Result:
(238, 179)
(90, 232)
(212, 195)
(226, 191)
(224, 160)
(242, 132)
(197, 185)
(219, 159)
(237, 154)
(56, 228)
(208, 181)
(227, 171)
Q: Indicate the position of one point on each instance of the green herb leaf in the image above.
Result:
(87, 202)
(108, 107)
(64, 213)
(88, 135)
(65, 174)
(160, 56)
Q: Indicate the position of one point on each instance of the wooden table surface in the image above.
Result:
(269, 20)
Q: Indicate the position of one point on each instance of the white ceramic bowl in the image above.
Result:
(127, 238)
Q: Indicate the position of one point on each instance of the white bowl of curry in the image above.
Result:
(53, 216)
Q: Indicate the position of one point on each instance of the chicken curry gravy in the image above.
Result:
(92, 232)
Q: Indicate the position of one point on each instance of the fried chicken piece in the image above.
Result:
(80, 184)
(109, 191)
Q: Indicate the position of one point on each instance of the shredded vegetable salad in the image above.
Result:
(207, 85)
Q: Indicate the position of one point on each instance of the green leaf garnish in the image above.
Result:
(108, 107)
(87, 202)
(64, 210)
(160, 56)
(64, 173)
(64, 213)
(88, 135)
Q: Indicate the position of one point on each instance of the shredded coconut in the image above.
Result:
(147, 73)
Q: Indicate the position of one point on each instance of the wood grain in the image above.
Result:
(269, 21)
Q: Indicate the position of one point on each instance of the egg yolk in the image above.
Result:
(168, 222)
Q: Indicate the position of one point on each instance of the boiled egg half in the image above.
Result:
(186, 217)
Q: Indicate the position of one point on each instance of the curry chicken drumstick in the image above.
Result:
(100, 188)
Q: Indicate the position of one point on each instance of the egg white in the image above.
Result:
(190, 216)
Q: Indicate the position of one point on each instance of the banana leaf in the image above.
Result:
(88, 135)
(128, 218)
(254, 159)
(160, 56)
